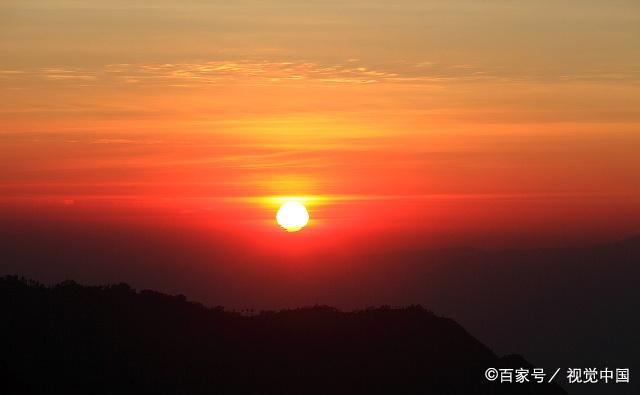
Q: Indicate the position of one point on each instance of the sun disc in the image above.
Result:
(292, 216)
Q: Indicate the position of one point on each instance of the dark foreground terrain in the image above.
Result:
(75, 339)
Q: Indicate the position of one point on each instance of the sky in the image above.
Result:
(405, 124)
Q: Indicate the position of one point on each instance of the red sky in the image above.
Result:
(414, 123)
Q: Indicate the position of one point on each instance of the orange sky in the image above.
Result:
(463, 119)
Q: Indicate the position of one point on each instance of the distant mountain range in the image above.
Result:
(70, 338)
(557, 307)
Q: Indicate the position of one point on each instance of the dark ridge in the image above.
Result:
(113, 340)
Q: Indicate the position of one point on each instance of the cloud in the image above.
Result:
(213, 72)
(263, 72)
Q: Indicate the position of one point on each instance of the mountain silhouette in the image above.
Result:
(112, 339)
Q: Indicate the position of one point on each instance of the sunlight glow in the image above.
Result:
(292, 216)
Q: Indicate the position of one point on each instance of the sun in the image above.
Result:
(292, 216)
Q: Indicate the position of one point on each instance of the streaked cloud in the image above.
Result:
(351, 71)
